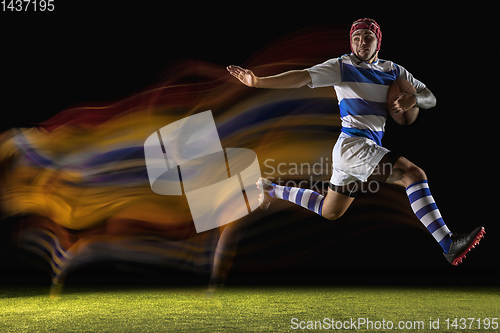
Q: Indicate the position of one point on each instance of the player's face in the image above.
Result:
(364, 43)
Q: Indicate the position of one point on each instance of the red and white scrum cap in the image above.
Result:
(366, 24)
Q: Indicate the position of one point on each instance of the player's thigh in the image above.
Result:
(335, 204)
(395, 169)
(385, 168)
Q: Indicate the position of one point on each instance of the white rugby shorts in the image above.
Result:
(354, 159)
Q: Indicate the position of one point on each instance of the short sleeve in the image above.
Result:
(404, 74)
(326, 74)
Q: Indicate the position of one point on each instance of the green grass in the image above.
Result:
(235, 309)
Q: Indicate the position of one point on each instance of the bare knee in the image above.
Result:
(414, 174)
(405, 173)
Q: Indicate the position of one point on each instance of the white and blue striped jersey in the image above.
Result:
(361, 91)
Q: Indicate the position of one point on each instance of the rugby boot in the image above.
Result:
(462, 244)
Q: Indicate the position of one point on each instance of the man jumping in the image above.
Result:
(361, 81)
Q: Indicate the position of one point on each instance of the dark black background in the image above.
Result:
(89, 52)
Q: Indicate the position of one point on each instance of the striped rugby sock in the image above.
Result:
(302, 197)
(425, 208)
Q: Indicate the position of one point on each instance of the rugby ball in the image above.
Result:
(397, 87)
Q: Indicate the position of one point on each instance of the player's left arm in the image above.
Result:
(423, 100)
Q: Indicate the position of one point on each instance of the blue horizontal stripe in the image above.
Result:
(446, 243)
(312, 201)
(352, 73)
(419, 194)
(425, 210)
(298, 197)
(361, 107)
(365, 133)
(320, 211)
(435, 225)
(286, 193)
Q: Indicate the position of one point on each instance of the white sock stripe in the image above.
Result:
(422, 202)
(318, 202)
(293, 194)
(430, 217)
(278, 191)
(305, 198)
(441, 233)
(416, 188)
(426, 210)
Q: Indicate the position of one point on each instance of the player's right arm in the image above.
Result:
(290, 79)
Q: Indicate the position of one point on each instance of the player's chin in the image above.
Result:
(363, 55)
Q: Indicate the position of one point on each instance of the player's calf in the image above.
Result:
(414, 179)
(455, 246)
(336, 203)
(331, 207)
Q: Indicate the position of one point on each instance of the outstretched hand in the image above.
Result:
(246, 76)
